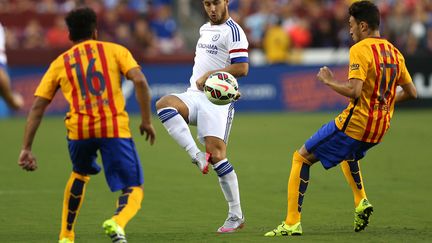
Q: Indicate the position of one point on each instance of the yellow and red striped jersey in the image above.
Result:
(89, 76)
(382, 68)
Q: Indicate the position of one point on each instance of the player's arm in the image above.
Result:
(236, 69)
(14, 100)
(408, 92)
(142, 93)
(26, 159)
(351, 89)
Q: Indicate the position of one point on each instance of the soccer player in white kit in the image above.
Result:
(12, 99)
(222, 46)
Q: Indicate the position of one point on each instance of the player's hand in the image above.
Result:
(237, 97)
(27, 161)
(18, 101)
(201, 81)
(325, 75)
(150, 132)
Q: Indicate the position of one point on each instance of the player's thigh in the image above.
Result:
(174, 102)
(121, 163)
(331, 146)
(193, 101)
(214, 121)
(83, 155)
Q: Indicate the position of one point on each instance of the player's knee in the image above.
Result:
(309, 158)
(161, 103)
(217, 155)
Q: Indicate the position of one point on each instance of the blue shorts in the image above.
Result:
(331, 146)
(119, 158)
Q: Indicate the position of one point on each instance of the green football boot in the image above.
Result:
(66, 240)
(285, 230)
(114, 231)
(361, 215)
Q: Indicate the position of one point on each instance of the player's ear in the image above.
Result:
(363, 26)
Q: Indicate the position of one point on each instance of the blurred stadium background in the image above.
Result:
(289, 40)
(282, 104)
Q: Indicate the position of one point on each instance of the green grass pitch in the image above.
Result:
(181, 205)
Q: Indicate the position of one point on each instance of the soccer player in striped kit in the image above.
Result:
(222, 46)
(376, 69)
(89, 76)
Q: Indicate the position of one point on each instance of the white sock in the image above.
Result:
(229, 185)
(178, 129)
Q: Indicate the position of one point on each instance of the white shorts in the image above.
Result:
(210, 119)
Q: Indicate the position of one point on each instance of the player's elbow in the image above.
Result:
(137, 77)
(245, 70)
(413, 94)
(241, 69)
(410, 91)
(139, 80)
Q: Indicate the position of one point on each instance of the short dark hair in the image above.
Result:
(81, 23)
(366, 11)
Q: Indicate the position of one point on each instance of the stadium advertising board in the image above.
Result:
(421, 73)
(266, 88)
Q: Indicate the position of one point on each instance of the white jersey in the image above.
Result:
(218, 47)
(2, 45)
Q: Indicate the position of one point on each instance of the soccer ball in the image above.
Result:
(221, 88)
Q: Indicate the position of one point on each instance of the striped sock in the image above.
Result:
(229, 185)
(352, 173)
(128, 205)
(297, 185)
(178, 129)
(72, 201)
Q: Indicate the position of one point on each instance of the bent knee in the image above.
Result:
(216, 147)
(216, 155)
(310, 157)
(162, 103)
(170, 101)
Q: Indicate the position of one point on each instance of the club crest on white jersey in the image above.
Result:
(218, 47)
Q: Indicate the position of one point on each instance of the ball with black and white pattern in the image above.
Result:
(221, 88)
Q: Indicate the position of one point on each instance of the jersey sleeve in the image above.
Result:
(50, 81)
(358, 63)
(237, 44)
(405, 76)
(125, 59)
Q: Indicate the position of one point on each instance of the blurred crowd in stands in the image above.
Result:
(171, 26)
(145, 24)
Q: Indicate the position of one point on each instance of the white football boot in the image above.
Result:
(202, 161)
(232, 224)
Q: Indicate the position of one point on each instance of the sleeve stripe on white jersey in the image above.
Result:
(239, 60)
(238, 54)
(234, 30)
(238, 50)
